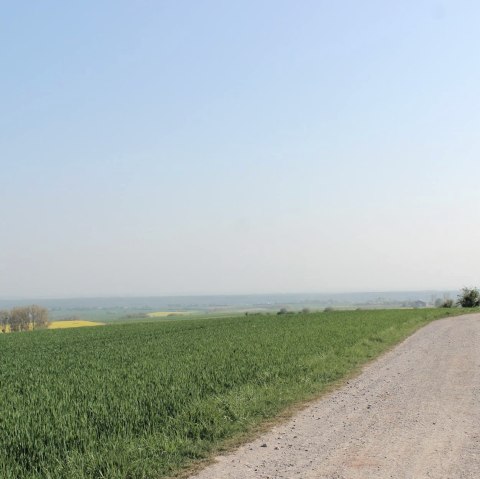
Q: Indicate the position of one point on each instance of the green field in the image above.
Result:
(144, 400)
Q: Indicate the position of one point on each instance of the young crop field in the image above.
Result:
(145, 400)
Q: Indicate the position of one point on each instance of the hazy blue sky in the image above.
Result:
(164, 147)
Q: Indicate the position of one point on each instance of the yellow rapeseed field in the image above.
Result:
(8, 329)
(72, 324)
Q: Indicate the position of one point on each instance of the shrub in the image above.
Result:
(447, 303)
(469, 298)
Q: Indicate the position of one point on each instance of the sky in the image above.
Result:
(266, 146)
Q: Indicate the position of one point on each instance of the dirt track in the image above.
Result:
(412, 414)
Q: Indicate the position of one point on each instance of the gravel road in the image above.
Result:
(412, 414)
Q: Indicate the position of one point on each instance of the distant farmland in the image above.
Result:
(167, 314)
(72, 324)
(143, 400)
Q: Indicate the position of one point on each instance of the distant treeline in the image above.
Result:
(25, 318)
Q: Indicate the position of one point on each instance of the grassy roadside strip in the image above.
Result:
(149, 400)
